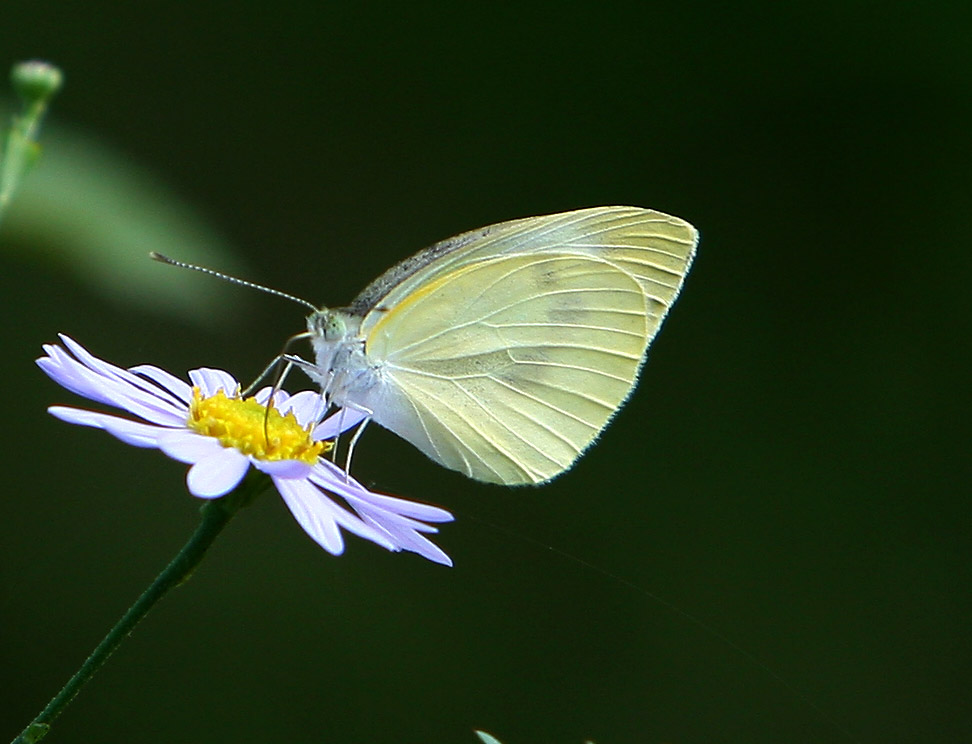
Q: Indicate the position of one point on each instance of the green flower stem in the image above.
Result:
(216, 514)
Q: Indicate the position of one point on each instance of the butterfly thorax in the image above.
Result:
(341, 366)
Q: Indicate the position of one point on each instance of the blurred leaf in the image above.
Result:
(92, 212)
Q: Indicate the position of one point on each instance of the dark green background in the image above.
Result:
(792, 471)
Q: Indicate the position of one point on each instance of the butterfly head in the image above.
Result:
(338, 351)
(327, 325)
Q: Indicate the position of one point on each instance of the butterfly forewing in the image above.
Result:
(507, 368)
(657, 249)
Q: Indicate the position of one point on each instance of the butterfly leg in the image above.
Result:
(263, 375)
(290, 361)
(354, 440)
(276, 386)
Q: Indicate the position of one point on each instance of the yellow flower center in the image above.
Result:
(252, 428)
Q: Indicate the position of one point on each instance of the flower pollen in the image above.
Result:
(252, 428)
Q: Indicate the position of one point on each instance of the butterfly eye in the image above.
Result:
(327, 324)
(333, 327)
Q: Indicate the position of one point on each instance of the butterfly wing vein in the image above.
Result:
(507, 369)
(503, 352)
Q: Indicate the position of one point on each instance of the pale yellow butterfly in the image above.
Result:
(504, 352)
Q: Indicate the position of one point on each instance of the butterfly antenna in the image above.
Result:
(231, 279)
(282, 357)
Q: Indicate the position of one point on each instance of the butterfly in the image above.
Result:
(504, 352)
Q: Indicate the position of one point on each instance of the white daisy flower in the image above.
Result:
(209, 425)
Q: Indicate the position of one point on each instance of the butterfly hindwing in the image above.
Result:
(506, 369)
